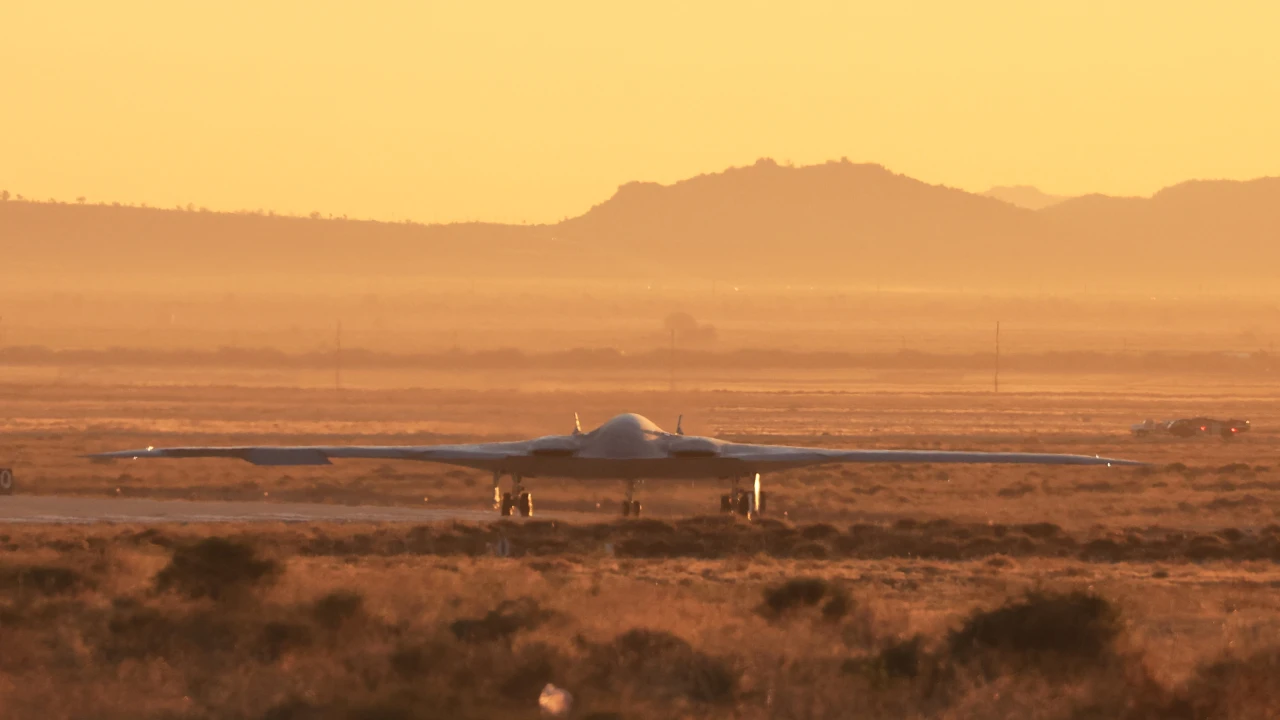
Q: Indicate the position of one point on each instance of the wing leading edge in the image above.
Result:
(478, 456)
(776, 456)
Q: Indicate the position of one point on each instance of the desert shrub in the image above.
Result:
(899, 659)
(415, 658)
(216, 568)
(1207, 547)
(1016, 490)
(1040, 530)
(501, 623)
(708, 522)
(649, 526)
(1234, 535)
(903, 658)
(663, 666)
(294, 709)
(1234, 468)
(534, 666)
(1102, 549)
(1232, 687)
(151, 536)
(819, 531)
(395, 708)
(811, 551)
(41, 579)
(667, 546)
(278, 638)
(801, 593)
(941, 550)
(337, 608)
(138, 631)
(1077, 624)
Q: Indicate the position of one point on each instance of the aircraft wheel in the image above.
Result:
(744, 504)
(726, 504)
(635, 508)
(626, 509)
(525, 504)
(507, 504)
(6, 481)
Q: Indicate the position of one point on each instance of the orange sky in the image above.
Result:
(515, 111)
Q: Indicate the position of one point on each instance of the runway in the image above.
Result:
(51, 509)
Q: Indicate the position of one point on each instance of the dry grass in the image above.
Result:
(372, 623)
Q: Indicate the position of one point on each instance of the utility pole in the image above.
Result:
(997, 377)
(337, 359)
(673, 359)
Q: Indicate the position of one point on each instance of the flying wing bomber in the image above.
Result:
(628, 448)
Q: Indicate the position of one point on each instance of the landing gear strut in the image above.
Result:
(518, 500)
(747, 503)
(631, 506)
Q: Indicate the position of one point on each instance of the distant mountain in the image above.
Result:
(860, 223)
(837, 222)
(1024, 196)
(98, 242)
(1220, 234)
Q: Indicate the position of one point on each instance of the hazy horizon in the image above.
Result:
(1025, 196)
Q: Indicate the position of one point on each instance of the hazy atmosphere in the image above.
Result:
(406, 360)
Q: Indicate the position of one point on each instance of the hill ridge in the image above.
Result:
(835, 222)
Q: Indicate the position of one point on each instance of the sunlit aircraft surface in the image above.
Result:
(628, 447)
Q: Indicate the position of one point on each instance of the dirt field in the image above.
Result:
(1174, 567)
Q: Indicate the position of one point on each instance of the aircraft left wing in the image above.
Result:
(778, 457)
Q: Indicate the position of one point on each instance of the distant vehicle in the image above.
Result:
(1191, 427)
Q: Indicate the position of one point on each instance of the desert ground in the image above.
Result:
(878, 591)
(216, 589)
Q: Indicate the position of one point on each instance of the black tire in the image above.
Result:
(507, 504)
(626, 509)
(525, 504)
(635, 508)
(764, 496)
(6, 481)
(744, 504)
(726, 504)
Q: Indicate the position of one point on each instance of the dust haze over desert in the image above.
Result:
(989, 227)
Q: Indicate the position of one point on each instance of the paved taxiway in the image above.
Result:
(39, 509)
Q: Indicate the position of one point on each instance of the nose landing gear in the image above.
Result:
(631, 506)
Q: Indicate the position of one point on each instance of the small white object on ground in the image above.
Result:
(555, 701)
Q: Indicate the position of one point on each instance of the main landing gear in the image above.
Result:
(747, 503)
(631, 506)
(518, 501)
